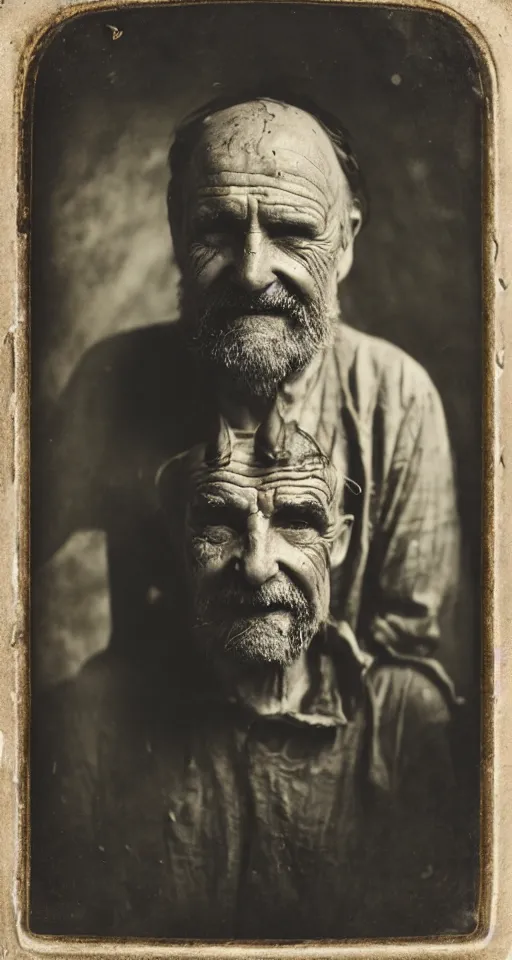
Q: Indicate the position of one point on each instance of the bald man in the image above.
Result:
(265, 203)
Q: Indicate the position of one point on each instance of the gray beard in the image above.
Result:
(256, 639)
(256, 361)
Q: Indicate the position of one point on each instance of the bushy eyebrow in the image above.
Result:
(212, 508)
(217, 220)
(277, 216)
(215, 508)
(215, 502)
(278, 222)
(308, 510)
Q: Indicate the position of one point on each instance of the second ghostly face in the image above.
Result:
(260, 541)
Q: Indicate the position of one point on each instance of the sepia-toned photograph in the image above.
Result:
(256, 474)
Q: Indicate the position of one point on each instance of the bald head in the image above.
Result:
(265, 235)
(271, 140)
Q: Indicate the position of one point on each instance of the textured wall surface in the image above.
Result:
(109, 92)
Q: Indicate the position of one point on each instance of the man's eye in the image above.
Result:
(209, 238)
(216, 534)
(296, 525)
(290, 231)
(221, 518)
(291, 520)
(215, 230)
(214, 236)
(301, 519)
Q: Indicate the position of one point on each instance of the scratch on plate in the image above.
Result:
(116, 33)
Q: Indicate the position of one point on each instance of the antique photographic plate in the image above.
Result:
(90, 94)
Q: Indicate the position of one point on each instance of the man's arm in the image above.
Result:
(424, 866)
(435, 854)
(122, 413)
(67, 453)
(64, 888)
(413, 567)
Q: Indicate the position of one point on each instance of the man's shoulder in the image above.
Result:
(143, 349)
(133, 397)
(73, 712)
(401, 691)
(378, 369)
(410, 717)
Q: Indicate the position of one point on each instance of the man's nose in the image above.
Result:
(259, 561)
(254, 267)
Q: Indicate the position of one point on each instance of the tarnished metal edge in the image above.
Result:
(32, 37)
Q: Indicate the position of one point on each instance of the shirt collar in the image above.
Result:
(336, 667)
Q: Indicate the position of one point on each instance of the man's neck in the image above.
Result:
(268, 689)
(242, 410)
(245, 411)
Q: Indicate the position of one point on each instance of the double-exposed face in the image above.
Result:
(259, 544)
(266, 237)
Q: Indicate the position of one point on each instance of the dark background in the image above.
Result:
(406, 85)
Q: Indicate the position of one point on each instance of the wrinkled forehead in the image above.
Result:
(248, 484)
(270, 139)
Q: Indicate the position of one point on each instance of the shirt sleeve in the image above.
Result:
(413, 564)
(432, 852)
(64, 792)
(424, 867)
(68, 451)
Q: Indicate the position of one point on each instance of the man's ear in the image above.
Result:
(171, 500)
(176, 233)
(356, 218)
(346, 255)
(341, 540)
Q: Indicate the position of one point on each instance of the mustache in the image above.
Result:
(231, 618)
(228, 303)
(216, 334)
(275, 596)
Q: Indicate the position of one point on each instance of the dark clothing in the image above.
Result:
(137, 399)
(162, 810)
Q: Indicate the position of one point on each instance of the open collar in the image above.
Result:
(336, 667)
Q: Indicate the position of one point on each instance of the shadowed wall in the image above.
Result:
(110, 90)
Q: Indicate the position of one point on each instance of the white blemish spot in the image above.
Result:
(116, 33)
(396, 79)
(154, 595)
